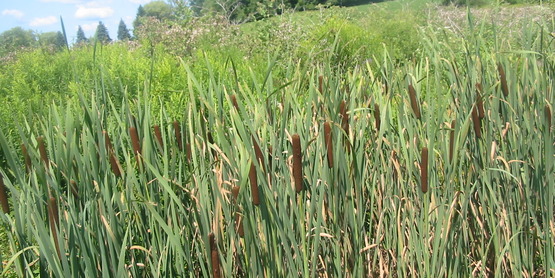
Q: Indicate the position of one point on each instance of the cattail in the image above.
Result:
(54, 220)
(234, 102)
(114, 162)
(189, 152)
(329, 144)
(479, 101)
(177, 130)
(414, 102)
(451, 140)
(158, 135)
(503, 79)
(547, 113)
(321, 84)
(214, 256)
(476, 122)
(424, 169)
(344, 116)
(377, 116)
(4, 196)
(254, 185)
(136, 144)
(258, 153)
(42, 150)
(238, 218)
(26, 157)
(297, 163)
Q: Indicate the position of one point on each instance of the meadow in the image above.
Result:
(386, 140)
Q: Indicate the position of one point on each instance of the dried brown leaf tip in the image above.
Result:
(158, 135)
(329, 143)
(503, 80)
(297, 163)
(424, 170)
(414, 102)
(177, 129)
(4, 196)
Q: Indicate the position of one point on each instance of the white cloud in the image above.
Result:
(93, 12)
(42, 21)
(89, 27)
(14, 13)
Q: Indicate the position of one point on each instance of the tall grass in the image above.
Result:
(407, 192)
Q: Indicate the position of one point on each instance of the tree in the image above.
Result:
(56, 40)
(81, 36)
(123, 32)
(159, 9)
(102, 33)
(16, 38)
(138, 17)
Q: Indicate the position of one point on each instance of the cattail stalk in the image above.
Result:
(424, 170)
(136, 144)
(547, 112)
(42, 150)
(451, 140)
(177, 130)
(329, 143)
(377, 116)
(214, 256)
(479, 101)
(26, 157)
(476, 122)
(238, 218)
(54, 219)
(254, 185)
(297, 163)
(4, 196)
(414, 102)
(158, 135)
(503, 80)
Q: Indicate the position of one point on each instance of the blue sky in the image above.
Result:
(44, 15)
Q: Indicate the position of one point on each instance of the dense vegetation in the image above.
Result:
(363, 141)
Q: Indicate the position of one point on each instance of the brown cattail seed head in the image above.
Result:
(114, 162)
(547, 113)
(54, 220)
(377, 116)
(321, 84)
(158, 135)
(26, 157)
(329, 143)
(189, 152)
(503, 80)
(177, 129)
(451, 140)
(479, 101)
(476, 122)
(4, 196)
(414, 102)
(42, 150)
(135, 140)
(254, 185)
(215, 259)
(234, 102)
(344, 116)
(238, 218)
(424, 170)
(297, 163)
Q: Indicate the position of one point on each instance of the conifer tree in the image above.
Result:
(123, 32)
(81, 36)
(102, 33)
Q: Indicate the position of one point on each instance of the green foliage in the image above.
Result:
(16, 39)
(123, 32)
(81, 38)
(102, 34)
(54, 40)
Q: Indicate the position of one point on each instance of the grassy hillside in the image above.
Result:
(391, 139)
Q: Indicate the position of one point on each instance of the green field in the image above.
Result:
(396, 139)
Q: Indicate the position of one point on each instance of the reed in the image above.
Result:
(254, 185)
(414, 102)
(4, 196)
(329, 143)
(177, 129)
(297, 163)
(424, 169)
